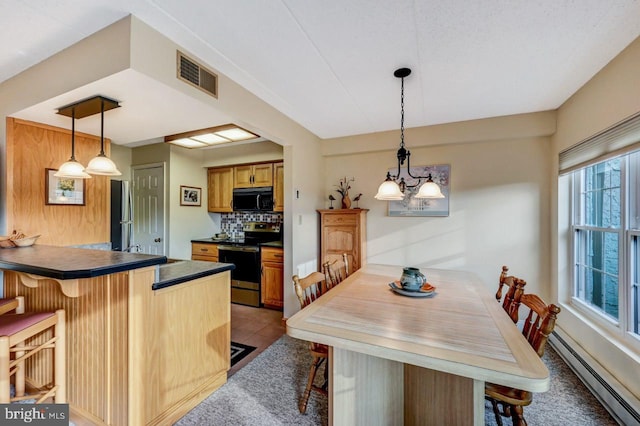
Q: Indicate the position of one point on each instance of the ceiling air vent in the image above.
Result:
(195, 74)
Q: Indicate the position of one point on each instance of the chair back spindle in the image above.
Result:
(336, 271)
(509, 303)
(540, 321)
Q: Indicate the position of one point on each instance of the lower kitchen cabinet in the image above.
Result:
(204, 251)
(272, 290)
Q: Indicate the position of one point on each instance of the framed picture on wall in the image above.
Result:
(190, 196)
(63, 191)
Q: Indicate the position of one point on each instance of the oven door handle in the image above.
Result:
(252, 249)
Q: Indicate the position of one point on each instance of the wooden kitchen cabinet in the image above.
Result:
(220, 189)
(272, 286)
(343, 231)
(204, 251)
(253, 175)
(278, 187)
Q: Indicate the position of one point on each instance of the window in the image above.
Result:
(606, 240)
(603, 199)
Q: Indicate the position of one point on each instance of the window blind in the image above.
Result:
(618, 139)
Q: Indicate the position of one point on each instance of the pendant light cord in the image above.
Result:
(102, 127)
(73, 134)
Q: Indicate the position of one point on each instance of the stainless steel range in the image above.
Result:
(245, 254)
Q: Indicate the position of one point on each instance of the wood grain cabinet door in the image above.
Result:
(263, 174)
(272, 288)
(253, 175)
(278, 187)
(220, 190)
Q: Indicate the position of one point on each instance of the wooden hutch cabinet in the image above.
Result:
(343, 231)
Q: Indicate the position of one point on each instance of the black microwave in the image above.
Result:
(253, 199)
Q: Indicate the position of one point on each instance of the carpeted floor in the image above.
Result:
(266, 392)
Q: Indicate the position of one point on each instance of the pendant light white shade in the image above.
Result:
(429, 189)
(71, 169)
(389, 191)
(102, 165)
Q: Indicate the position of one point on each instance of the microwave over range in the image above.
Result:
(253, 199)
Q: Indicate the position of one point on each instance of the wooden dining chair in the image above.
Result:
(308, 289)
(540, 322)
(336, 271)
(508, 300)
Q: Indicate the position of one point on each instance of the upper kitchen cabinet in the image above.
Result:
(253, 175)
(278, 187)
(220, 189)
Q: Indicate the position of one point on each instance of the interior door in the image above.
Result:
(149, 209)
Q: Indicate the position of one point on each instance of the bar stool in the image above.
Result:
(15, 329)
(14, 304)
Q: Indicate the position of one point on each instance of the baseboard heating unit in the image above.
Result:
(622, 405)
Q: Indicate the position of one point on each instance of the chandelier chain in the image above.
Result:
(402, 112)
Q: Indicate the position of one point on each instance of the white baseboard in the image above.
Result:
(623, 406)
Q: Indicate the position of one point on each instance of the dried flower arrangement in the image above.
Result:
(343, 189)
(344, 186)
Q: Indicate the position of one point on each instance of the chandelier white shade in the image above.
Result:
(71, 169)
(389, 191)
(102, 165)
(429, 189)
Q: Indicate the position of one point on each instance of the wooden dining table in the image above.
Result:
(397, 360)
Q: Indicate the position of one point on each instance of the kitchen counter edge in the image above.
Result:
(66, 263)
(188, 270)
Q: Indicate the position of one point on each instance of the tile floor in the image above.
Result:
(257, 327)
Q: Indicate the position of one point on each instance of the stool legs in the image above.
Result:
(60, 356)
(5, 381)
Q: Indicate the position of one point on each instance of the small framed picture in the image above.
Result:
(63, 191)
(190, 196)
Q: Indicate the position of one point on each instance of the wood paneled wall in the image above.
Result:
(34, 147)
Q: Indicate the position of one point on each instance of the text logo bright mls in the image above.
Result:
(41, 414)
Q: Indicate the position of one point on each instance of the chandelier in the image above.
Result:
(394, 186)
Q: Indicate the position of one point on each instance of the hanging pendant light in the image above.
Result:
(72, 168)
(101, 164)
(394, 186)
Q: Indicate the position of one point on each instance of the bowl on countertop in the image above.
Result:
(26, 242)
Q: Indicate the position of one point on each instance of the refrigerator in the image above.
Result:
(121, 215)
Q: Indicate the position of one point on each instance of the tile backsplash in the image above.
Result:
(231, 223)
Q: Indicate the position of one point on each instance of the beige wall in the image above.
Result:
(612, 95)
(499, 192)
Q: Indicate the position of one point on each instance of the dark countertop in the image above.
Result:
(187, 270)
(275, 244)
(209, 240)
(69, 263)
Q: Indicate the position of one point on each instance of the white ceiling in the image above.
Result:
(329, 64)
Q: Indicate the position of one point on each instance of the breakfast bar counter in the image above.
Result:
(146, 340)
(416, 360)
